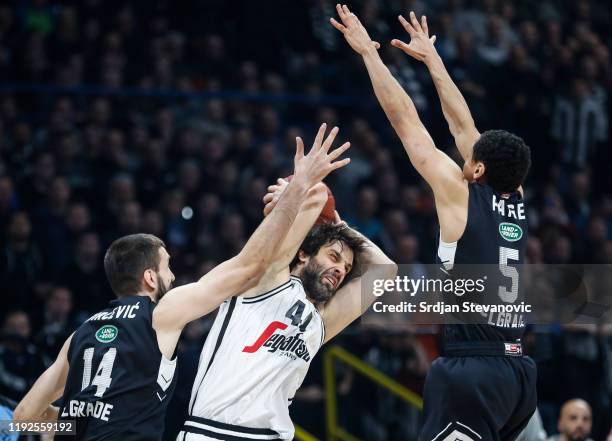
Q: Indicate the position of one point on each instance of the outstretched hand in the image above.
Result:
(354, 32)
(320, 161)
(421, 45)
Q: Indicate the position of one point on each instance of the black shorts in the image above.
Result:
(475, 398)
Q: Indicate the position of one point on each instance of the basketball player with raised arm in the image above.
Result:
(262, 342)
(483, 388)
(117, 371)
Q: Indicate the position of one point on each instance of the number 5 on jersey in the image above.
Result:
(102, 379)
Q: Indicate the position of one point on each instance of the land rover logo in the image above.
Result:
(510, 232)
(107, 333)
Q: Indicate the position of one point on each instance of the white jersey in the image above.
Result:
(254, 359)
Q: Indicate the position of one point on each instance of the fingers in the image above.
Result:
(407, 26)
(376, 45)
(339, 151)
(267, 209)
(319, 138)
(424, 25)
(341, 13)
(330, 139)
(337, 25)
(415, 22)
(433, 39)
(401, 45)
(349, 16)
(268, 198)
(299, 148)
(339, 164)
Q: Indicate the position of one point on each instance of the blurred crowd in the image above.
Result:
(172, 118)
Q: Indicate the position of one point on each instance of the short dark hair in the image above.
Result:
(128, 258)
(326, 234)
(506, 158)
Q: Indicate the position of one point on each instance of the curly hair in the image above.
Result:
(506, 158)
(326, 234)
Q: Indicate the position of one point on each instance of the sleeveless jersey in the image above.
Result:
(119, 383)
(496, 236)
(254, 359)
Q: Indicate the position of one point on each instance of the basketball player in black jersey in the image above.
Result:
(483, 388)
(115, 373)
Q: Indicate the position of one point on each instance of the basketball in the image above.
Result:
(328, 213)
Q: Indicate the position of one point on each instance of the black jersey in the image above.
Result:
(496, 236)
(119, 383)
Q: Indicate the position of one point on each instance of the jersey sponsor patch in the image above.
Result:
(510, 232)
(513, 349)
(107, 333)
(292, 346)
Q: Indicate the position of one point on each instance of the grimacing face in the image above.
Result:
(324, 272)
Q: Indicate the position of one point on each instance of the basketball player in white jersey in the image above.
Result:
(127, 397)
(262, 342)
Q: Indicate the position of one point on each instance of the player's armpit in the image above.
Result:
(49, 387)
(350, 302)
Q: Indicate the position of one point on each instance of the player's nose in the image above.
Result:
(339, 272)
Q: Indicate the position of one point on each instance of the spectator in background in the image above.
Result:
(56, 324)
(85, 277)
(365, 217)
(20, 364)
(574, 422)
(8, 202)
(579, 125)
(21, 264)
(52, 233)
(395, 225)
(35, 185)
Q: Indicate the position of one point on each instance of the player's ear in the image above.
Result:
(479, 170)
(150, 280)
(302, 257)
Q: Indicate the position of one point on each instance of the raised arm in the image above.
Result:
(348, 303)
(36, 405)
(309, 212)
(189, 302)
(441, 172)
(454, 107)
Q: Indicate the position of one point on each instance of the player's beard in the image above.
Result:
(577, 436)
(162, 288)
(312, 278)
